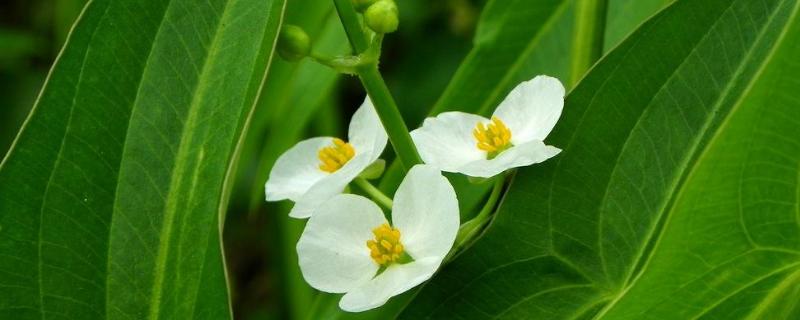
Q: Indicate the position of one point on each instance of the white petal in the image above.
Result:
(426, 213)
(368, 139)
(333, 249)
(366, 133)
(446, 141)
(532, 109)
(296, 170)
(395, 280)
(517, 156)
(329, 186)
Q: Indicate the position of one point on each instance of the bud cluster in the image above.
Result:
(380, 16)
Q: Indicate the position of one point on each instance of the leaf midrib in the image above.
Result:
(170, 209)
(124, 148)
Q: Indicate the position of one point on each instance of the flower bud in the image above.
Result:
(362, 5)
(382, 16)
(293, 43)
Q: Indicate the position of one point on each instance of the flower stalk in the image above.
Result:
(376, 88)
(470, 229)
(374, 193)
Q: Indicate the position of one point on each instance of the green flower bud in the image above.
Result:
(381, 16)
(293, 43)
(362, 5)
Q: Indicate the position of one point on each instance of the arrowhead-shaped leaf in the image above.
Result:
(111, 198)
(676, 196)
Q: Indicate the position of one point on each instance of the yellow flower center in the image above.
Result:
(336, 156)
(386, 248)
(493, 138)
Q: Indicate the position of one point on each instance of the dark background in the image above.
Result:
(417, 63)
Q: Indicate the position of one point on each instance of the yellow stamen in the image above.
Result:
(386, 248)
(494, 138)
(336, 156)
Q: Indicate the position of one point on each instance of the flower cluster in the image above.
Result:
(348, 245)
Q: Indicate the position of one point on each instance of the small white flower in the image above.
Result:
(315, 170)
(514, 137)
(349, 247)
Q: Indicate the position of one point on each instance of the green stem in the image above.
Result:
(349, 17)
(374, 193)
(390, 116)
(587, 46)
(469, 229)
(341, 64)
(376, 88)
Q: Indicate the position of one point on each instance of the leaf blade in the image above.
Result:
(130, 96)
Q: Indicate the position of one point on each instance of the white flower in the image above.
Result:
(480, 147)
(315, 170)
(349, 247)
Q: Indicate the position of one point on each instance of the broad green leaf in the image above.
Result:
(676, 195)
(731, 242)
(111, 197)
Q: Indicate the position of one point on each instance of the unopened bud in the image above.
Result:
(362, 5)
(382, 16)
(293, 43)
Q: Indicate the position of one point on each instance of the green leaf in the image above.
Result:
(676, 196)
(111, 198)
